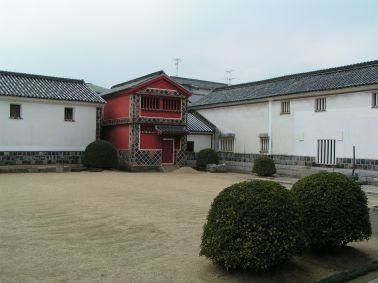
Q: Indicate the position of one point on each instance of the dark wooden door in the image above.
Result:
(168, 151)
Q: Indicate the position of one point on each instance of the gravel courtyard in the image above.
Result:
(134, 227)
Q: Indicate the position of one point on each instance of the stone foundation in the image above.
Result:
(40, 157)
(246, 160)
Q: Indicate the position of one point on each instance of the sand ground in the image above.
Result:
(129, 227)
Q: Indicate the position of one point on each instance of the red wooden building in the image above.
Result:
(145, 119)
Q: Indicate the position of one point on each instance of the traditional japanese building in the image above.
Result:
(45, 119)
(311, 119)
(145, 119)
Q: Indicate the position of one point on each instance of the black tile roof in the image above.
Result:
(96, 88)
(198, 124)
(328, 79)
(46, 87)
(175, 130)
(132, 83)
(194, 83)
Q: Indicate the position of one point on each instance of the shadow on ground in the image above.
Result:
(309, 267)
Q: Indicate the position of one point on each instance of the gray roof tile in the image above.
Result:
(197, 83)
(329, 79)
(96, 88)
(168, 129)
(198, 124)
(45, 87)
(132, 83)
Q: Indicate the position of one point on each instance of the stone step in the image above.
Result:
(169, 168)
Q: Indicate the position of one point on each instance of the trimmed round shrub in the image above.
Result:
(264, 166)
(100, 154)
(206, 156)
(252, 225)
(334, 209)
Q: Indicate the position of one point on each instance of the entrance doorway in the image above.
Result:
(168, 154)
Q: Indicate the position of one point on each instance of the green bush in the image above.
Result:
(264, 166)
(100, 154)
(252, 225)
(206, 156)
(334, 209)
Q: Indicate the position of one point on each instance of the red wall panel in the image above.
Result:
(150, 141)
(163, 84)
(118, 136)
(117, 107)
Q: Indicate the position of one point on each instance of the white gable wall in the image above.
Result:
(43, 127)
(349, 118)
(245, 121)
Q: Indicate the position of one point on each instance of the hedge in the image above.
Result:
(334, 209)
(252, 225)
(100, 154)
(206, 156)
(264, 166)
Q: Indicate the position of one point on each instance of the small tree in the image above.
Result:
(100, 154)
(264, 166)
(206, 156)
(252, 225)
(334, 209)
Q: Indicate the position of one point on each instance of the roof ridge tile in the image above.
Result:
(305, 74)
(28, 75)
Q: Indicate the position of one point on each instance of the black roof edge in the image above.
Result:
(198, 80)
(316, 72)
(40, 76)
(161, 72)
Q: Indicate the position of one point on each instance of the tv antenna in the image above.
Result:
(177, 62)
(229, 77)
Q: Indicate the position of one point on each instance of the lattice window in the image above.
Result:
(15, 111)
(375, 100)
(326, 152)
(190, 146)
(320, 104)
(68, 114)
(226, 144)
(171, 104)
(150, 103)
(264, 144)
(285, 107)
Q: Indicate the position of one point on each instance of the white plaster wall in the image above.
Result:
(200, 141)
(43, 127)
(247, 122)
(349, 118)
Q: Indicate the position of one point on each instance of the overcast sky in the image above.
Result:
(107, 42)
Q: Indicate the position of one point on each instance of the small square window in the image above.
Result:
(15, 111)
(320, 104)
(190, 146)
(68, 114)
(375, 100)
(285, 107)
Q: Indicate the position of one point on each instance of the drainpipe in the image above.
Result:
(270, 125)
